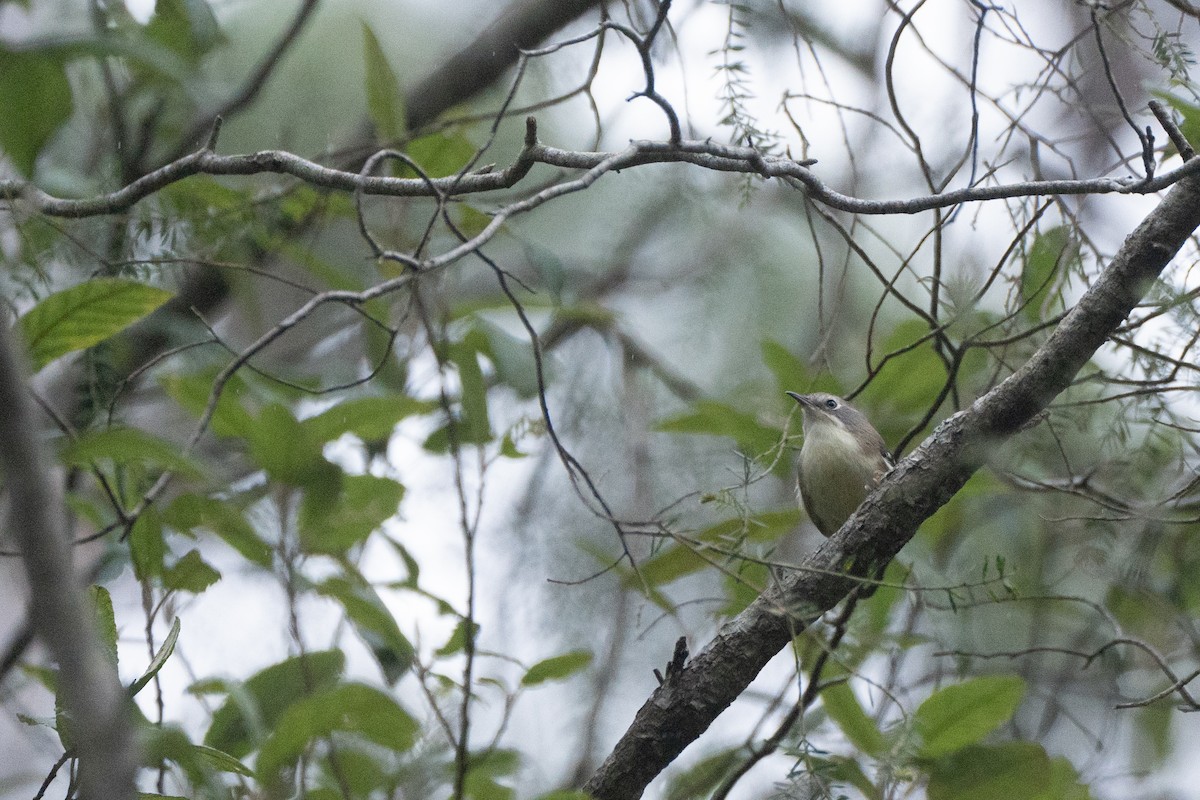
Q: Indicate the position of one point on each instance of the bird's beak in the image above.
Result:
(802, 399)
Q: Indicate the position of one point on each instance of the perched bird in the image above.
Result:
(842, 460)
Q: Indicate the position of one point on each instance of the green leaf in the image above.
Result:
(368, 418)
(190, 574)
(190, 512)
(961, 715)
(230, 417)
(352, 708)
(557, 668)
(458, 638)
(223, 761)
(908, 381)
(36, 98)
(187, 28)
(281, 446)
(374, 624)
(712, 418)
(513, 357)
(475, 427)
(385, 100)
(255, 707)
(700, 779)
(332, 526)
(147, 548)
(439, 154)
(160, 658)
(106, 621)
(129, 446)
(1002, 772)
(791, 374)
(1042, 278)
(86, 315)
(843, 708)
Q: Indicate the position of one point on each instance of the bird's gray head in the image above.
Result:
(821, 408)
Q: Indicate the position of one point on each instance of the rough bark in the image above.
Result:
(683, 708)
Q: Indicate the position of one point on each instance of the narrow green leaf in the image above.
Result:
(843, 708)
(255, 707)
(1002, 772)
(106, 621)
(147, 549)
(36, 98)
(352, 708)
(475, 427)
(1042, 276)
(374, 623)
(458, 638)
(129, 446)
(86, 315)
(385, 100)
(160, 658)
(961, 715)
(700, 779)
(791, 374)
(557, 668)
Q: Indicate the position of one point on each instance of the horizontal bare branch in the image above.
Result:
(707, 154)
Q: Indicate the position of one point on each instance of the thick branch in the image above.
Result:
(87, 680)
(520, 26)
(683, 708)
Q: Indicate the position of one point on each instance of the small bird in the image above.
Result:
(843, 458)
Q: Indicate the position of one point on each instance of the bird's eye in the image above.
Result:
(831, 403)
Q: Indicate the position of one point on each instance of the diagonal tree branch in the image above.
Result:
(683, 708)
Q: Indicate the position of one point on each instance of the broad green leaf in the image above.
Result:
(791, 374)
(86, 315)
(187, 28)
(961, 715)
(106, 621)
(374, 623)
(351, 708)
(712, 418)
(247, 715)
(669, 564)
(439, 154)
(1002, 772)
(190, 512)
(368, 418)
(230, 417)
(909, 380)
(513, 357)
(557, 668)
(129, 446)
(385, 100)
(843, 708)
(36, 98)
(289, 454)
(190, 574)
(160, 658)
(1063, 783)
(334, 525)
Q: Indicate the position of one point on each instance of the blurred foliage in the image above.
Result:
(642, 439)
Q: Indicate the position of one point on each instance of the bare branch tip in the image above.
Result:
(531, 137)
(211, 143)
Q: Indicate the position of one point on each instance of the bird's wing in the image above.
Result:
(808, 506)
